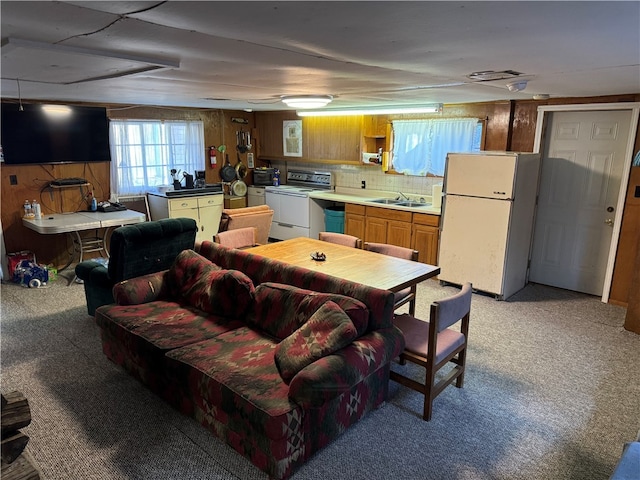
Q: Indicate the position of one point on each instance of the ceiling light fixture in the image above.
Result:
(306, 101)
(517, 86)
(56, 110)
(433, 108)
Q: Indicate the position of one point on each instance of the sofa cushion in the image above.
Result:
(202, 284)
(281, 309)
(233, 378)
(328, 330)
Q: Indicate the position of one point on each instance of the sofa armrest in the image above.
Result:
(144, 289)
(336, 374)
(94, 273)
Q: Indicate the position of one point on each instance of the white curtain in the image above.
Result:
(421, 146)
(143, 152)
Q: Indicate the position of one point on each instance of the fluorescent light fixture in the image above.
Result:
(56, 110)
(433, 108)
(306, 101)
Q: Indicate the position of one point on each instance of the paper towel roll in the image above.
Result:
(436, 196)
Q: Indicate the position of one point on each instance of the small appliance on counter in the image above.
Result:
(188, 180)
(200, 179)
(263, 176)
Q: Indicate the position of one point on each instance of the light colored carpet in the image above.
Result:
(552, 391)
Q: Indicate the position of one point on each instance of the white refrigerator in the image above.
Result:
(488, 210)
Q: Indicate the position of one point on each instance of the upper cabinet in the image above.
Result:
(335, 139)
(269, 130)
(332, 138)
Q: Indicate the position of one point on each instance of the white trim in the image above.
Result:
(633, 126)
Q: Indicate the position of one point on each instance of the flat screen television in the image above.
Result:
(33, 136)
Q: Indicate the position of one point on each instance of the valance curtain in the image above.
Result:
(421, 146)
(144, 151)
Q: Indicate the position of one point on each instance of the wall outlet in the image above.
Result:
(250, 160)
(363, 184)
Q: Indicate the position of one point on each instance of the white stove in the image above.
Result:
(303, 181)
(295, 214)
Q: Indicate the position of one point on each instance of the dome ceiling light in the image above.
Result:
(517, 86)
(306, 101)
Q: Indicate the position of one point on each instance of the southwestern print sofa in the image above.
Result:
(276, 360)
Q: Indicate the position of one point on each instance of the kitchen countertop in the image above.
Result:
(186, 192)
(364, 197)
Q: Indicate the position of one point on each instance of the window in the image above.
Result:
(143, 152)
(421, 146)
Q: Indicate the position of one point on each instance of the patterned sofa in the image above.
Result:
(276, 360)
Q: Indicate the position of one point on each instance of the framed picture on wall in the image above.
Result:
(292, 138)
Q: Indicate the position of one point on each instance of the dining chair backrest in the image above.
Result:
(408, 295)
(392, 250)
(340, 239)
(238, 238)
(453, 309)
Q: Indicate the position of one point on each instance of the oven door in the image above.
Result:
(289, 207)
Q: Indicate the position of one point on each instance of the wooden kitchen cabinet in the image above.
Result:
(425, 235)
(376, 134)
(385, 225)
(354, 220)
(206, 210)
(332, 138)
(323, 138)
(269, 127)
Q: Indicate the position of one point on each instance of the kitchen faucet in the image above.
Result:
(403, 195)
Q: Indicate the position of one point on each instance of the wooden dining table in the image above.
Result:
(353, 264)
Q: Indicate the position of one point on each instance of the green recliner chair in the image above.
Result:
(135, 250)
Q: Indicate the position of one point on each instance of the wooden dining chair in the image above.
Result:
(238, 238)
(408, 295)
(434, 344)
(341, 239)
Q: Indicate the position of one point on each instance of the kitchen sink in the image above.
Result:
(412, 204)
(387, 201)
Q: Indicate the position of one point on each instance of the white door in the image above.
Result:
(583, 158)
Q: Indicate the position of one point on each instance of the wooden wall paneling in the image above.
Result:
(629, 237)
(32, 183)
(632, 318)
(229, 129)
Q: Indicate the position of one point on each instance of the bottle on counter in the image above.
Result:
(276, 178)
(36, 209)
(27, 209)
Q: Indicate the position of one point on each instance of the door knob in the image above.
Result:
(609, 221)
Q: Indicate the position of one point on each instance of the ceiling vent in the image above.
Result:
(490, 75)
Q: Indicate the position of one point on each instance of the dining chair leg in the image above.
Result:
(429, 383)
(461, 365)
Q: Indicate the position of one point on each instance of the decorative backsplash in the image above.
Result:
(351, 176)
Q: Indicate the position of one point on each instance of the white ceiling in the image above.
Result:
(237, 55)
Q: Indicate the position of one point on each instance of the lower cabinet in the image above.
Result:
(385, 225)
(419, 231)
(425, 237)
(206, 210)
(354, 216)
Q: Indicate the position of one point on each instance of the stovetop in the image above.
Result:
(311, 180)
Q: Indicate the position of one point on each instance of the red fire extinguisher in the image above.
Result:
(212, 156)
